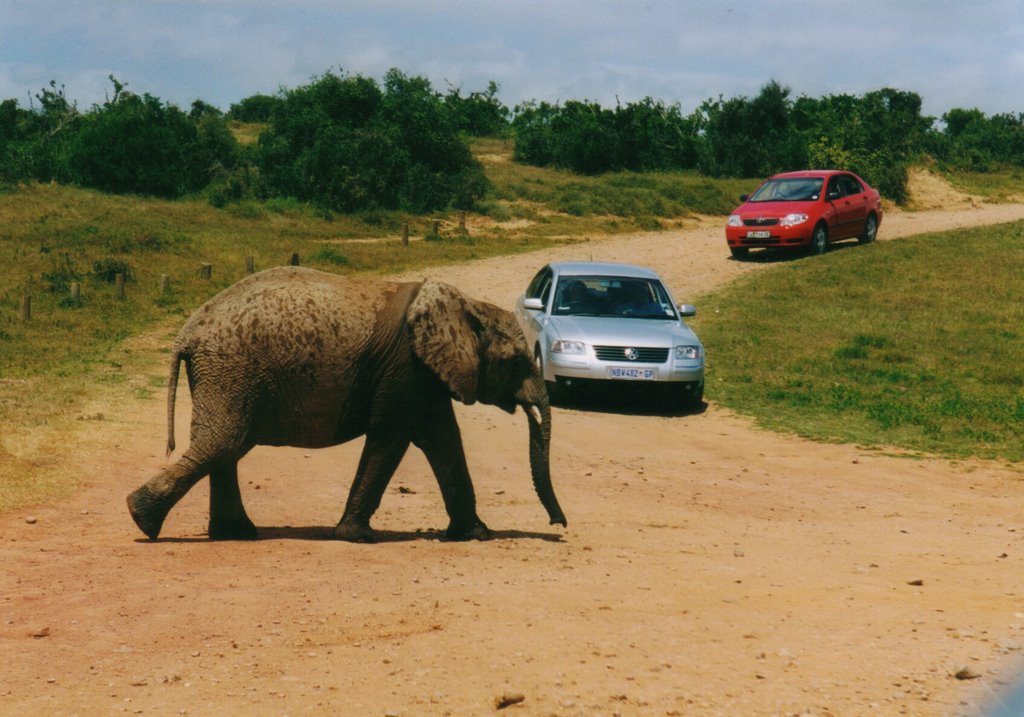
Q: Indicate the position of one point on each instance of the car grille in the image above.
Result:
(761, 222)
(618, 353)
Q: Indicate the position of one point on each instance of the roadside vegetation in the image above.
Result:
(917, 345)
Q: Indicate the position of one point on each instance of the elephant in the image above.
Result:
(292, 356)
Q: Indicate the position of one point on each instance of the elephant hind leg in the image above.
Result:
(228, 519)
(150, 504)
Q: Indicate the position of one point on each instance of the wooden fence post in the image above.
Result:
(295, 259)
(462, 222)
(165, 284)
(206, 271)
(76, 291)
(405, 234)
(26, 307)
(250, 265)
(119, 285)
(437, 228)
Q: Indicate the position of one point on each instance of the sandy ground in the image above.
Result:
(709, 567)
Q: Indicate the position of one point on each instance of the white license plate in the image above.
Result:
(759, 235)
(634, 374)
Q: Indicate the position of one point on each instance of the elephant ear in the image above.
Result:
(445, 337)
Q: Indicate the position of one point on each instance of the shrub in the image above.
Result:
(348, 145)
(108, 268)
(136, 144)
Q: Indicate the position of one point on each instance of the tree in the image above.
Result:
(480, 114)
(138, 144)
(348, 144)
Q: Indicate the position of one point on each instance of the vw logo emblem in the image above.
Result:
(631, 354)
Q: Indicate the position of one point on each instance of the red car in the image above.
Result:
(808, 210)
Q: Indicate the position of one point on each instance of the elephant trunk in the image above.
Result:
(538, 413)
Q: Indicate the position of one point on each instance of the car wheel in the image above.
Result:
(684, 397)
(870, 230)
(739, 252)
(819, 240)
(694, 398)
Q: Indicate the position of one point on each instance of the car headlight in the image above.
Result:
(689, 353)
(791, 220)
(568, 347)
(734, 221)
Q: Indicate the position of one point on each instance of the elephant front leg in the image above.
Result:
(441, 442)
(228, 519)
(380, 459)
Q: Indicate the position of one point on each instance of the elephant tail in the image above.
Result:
(172, 390)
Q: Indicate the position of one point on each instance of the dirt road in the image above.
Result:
(709, 568)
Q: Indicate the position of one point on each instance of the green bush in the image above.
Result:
(348, 145)
(136, 144)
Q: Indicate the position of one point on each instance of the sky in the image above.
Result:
(953, 53)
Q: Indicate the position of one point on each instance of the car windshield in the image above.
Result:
(620, 296)
(794, 189)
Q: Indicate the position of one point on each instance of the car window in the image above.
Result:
(851, 185)
(792, 189)
(835, 189)
(601, 295)
(540, 286)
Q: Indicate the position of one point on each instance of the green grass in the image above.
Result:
(916, 344)
(1006, 184)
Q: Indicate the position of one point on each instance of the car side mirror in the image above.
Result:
(533, 304)
(833, 195)
(687, 310)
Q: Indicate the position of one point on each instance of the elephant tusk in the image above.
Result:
(535, 414)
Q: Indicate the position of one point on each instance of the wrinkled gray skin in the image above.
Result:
(296, 357)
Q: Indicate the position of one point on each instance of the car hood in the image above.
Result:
(774, 209)
(618, 331)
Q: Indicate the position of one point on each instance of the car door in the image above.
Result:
(845, 217)
(532, 321)
(856, 202)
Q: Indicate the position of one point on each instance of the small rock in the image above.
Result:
(41, 633)
(509, 699)
(966, 673)
(915, 581)
(31, 520)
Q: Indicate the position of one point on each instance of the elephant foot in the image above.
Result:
(354, 532)
(468, 531)
(237, 529)
(147, 511)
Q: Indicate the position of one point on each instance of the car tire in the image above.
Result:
(819, 240)
(694, 398)
(870, 230)
(739, 252)
(682, 398)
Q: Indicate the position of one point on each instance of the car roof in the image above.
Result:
(583, 268)
(815, 173)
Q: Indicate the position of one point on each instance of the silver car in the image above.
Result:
(595, 323)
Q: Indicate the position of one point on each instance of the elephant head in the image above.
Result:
(480, 353)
